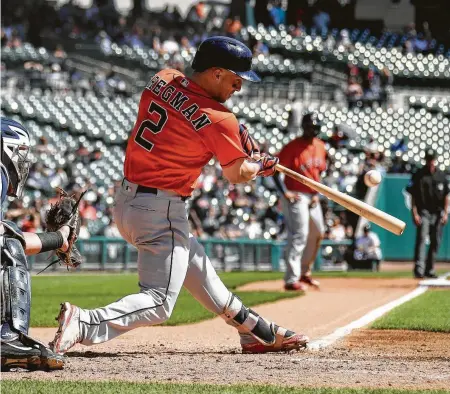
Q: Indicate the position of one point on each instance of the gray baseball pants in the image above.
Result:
(168, 258)
(305, 228)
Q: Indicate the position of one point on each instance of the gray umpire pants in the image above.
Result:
(431, 227)
(168, 258)
(305, 228)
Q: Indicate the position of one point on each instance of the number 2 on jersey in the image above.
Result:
(155, 128)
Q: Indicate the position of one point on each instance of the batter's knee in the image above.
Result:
(162, 309)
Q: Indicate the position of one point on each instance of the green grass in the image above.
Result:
(92, 291)
(427, 312)
(82, 387)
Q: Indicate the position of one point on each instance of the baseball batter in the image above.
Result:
(301, 207)
(181, 125)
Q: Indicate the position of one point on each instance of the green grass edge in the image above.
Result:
(427, 312)
(115, 387)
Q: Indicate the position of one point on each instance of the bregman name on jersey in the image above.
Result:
(178, 100)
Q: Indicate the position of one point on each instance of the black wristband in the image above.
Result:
(51, 241)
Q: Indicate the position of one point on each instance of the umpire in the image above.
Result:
(430, 208)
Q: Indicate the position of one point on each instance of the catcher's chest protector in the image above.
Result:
(15, 284)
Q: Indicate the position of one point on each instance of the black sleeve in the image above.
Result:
(279, 183)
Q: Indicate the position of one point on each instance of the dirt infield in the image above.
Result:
(209, 351)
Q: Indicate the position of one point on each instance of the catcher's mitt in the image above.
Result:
(65, 213)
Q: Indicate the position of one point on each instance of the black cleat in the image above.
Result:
(24, 352)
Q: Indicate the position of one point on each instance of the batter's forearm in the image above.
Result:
(241, 171)
(249, 171)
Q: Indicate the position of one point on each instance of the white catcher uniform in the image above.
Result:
(179, 129)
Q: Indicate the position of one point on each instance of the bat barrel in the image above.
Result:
(382, 219)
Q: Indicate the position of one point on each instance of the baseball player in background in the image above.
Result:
(181, 125)
(301, 206)
(18, 349)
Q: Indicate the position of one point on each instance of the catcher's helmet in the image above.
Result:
(311, 124)
(225, 52)
(15, 147)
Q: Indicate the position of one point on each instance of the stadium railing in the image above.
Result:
(102, 253)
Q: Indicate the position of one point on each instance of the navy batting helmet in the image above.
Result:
(225, 52)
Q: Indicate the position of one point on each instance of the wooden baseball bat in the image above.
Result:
(367, 211)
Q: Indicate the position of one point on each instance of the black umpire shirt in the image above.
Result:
(429, 190)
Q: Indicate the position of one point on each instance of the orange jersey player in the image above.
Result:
(178, 130)
(181, 125)
(302, 211)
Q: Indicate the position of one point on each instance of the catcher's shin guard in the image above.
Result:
(247, 321)
(15, 285)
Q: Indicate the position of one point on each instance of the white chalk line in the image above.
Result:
(368, 318)
(441, 281)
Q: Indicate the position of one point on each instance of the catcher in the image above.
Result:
(18, 349)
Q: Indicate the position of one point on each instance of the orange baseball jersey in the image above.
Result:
(308, 159)
(179, 128)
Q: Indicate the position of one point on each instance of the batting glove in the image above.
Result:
(249, 145)
(267, 164)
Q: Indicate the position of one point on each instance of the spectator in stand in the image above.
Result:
(400, 145)
(59, 179)
(368, 249)
(170, 46)
(59, 52)
(87, 209)
(233, 27)
(330, 44)
(408, 47)
(197, 13)
(253, 229)
(195, 223)
(42, 146)
(111, 231)
(32, 222)
(277, 13)
(410, 30)
(354, 92)
(4, 38)
(185, 44)
(105, 42)
(420, 44)
(372, 87)
(337, 231)
(321, 21)
(338, 138)
(38, 178)
(371, 147)
(15, 41)
(84, 231)
(344, 40)
(259, 48)
(210, 224)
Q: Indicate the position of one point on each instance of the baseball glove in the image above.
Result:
(65, 213)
